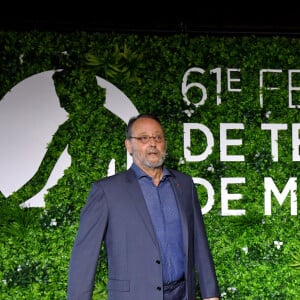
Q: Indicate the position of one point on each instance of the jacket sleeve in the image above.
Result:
(204, 263)
(86, 248)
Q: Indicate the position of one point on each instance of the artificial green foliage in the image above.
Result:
(256, 255)
(123, 63)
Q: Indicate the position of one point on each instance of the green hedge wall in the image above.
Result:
(256, 255)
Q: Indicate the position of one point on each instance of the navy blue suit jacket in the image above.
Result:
(116, 213)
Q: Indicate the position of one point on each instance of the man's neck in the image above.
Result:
(155, 173)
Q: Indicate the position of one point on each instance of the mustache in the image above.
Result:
(156, 151)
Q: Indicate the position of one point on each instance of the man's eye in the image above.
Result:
(144, 138)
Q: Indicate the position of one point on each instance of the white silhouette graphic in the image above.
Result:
(30, 114)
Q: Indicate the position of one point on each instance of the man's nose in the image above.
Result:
(152, 140)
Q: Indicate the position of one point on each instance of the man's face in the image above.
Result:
(152, 153)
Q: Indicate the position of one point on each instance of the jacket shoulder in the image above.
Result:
(118, 177)
(179, 174)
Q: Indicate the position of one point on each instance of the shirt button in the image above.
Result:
(157, 261)
(159, 288)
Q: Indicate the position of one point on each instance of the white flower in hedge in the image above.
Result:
(268, 113)
(19, 269)
(278, 244)
(232, 289)
(43, 213)
(245, 249)
(21, 58)
(189, 112)
(4, 281)
(211, 168)
(181, 161)
(65, 53)
(53, 222)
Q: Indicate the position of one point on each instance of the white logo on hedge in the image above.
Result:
(30, 114)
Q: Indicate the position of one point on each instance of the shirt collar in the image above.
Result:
(139, 173)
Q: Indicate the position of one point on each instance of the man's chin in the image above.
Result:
(154, 165)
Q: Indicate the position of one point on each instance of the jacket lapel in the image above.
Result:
(178, 190)
(137, 199)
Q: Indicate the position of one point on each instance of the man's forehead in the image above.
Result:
(146, 123)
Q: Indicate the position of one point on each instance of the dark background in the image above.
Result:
(156, 18)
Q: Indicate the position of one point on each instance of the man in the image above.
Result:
(151, 223)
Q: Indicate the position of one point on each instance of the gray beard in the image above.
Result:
(155, 165)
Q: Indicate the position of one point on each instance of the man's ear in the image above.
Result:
(128, 146)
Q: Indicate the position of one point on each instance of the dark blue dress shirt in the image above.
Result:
(163, 210)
